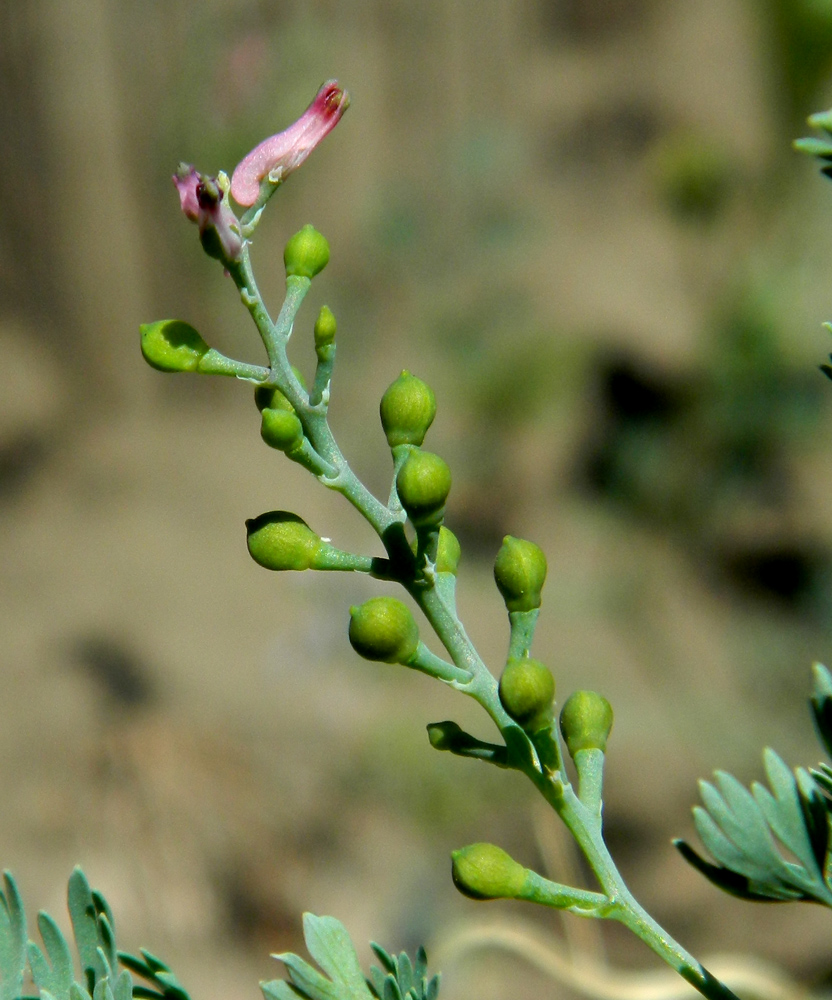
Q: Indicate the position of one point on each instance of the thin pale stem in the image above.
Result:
(469, 673)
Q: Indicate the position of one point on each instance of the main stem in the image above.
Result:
(583, 823)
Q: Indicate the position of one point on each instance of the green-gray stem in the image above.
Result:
(470, 674)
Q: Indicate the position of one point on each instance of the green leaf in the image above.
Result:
(421, 968)
(383, 956)
(722, 848)
(102, 990)
(742, 830)
(311, 982)
(813, 807)
(409, 979)
(60, 957)
(279, 989)
(821, 703)
(377, 978)
(84, 919)
(124, 986)
(330, 945)
(405, 976)
(77, 992)
(726, 879)
(13, 939)
(814, 147)
(822, 776)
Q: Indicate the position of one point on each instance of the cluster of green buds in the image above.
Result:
(420, 553)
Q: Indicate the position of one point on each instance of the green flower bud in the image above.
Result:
(484, 871)
(423, 485)
(586, 721)
(172, 346)
(280, 540)
(383, 629)
(527, 690)
(520, 572)
(448, 551)
(281, 429)
(444, 735)
(325, 327)
(407, 410)
(306, 253)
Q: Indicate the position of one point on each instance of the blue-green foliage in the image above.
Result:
(400, 979)
(330, 946)
(744, 830)
(51, 968)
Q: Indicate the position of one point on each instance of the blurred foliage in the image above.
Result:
(800, 45)
(705, 454)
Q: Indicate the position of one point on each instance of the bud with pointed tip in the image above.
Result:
(407, 410)
(306, 254)
(448, 551)
(520, 572)
(485, 871)
(279, 155)
(383, 629)
(585, 721)
(325, 327)
(423, 484)
(170, 345)
(527, 690)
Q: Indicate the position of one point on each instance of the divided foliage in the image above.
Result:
(330, 946)
(745, 830)
(51, 969)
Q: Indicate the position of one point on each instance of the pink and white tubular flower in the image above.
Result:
(278, 156)
(203, 201)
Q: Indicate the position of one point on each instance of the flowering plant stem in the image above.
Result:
(540, 760)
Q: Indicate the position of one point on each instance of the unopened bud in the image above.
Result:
(520, 572)
(280, 540)
(266, 397)
(444, 735)
(423, 484)
(172, 346)
(383, 629)
(407, 410)
(271, 398)
(585, 721)
(485, 871)
(306, 253)
(448, 551)
(325, 327)
(527, 690)
(281, 429)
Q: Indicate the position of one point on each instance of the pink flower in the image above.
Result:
(186, 180)
(278, 156)
(203, 201)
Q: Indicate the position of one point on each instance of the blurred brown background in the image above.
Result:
(581, 222)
